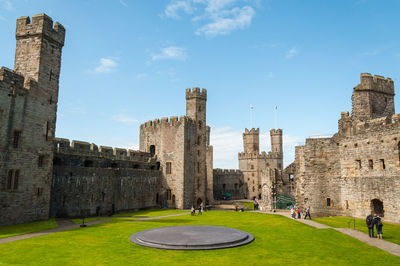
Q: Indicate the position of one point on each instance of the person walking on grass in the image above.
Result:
(192, 211)
(378, 225)
(370, 224)
(307, 213)
(293, 213)
(298, 214)
(200, 213)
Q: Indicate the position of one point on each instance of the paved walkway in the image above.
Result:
(63, 225)
(159, 217)
(379, 243)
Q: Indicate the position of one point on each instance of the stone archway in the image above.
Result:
(377, 207)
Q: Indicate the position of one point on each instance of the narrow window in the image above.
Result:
(328, 202)
(252, 167)
(198, 153)
(51, 100)
(16, 179)
(198, 140)
(279, 165)
(168, 168)
(17, 134)
(9, 179)
(224, 186)
(253, 189)
(382, 161)
(47, 129)
(347, 204)
(169, 194)
(358, 164)
(236, 185)
(51, 74)
(40, 161)
(152, 150)
(371, 164)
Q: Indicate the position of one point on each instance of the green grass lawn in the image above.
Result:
(278, 240)
(390, 232)
(248, 205)
(21, 229)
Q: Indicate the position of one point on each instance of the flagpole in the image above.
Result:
(276, 117)
(251, 116)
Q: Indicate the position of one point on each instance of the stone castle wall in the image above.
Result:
(100, 181)
(229, 181)
(28, 105)
(360, 165)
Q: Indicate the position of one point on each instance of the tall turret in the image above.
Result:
(276, 146)
(251, 141)
(373, 97)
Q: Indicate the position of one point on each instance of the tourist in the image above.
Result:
(202, 207)
(192, 211)
(293, 213)
(307, 213)
(298, 214)
(378, 225)
(370, 224)
(200, 210)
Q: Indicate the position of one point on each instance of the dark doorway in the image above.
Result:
(199, 201)
(377, 207)
(152, 150)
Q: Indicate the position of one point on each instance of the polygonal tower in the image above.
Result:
(251, 141)
(196, 109)
(276, 147)
(372, 98)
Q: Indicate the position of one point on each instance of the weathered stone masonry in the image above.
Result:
(28, 106)
(357, 171)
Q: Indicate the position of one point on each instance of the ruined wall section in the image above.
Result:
(28, 106)
(172, 139)
(229, 181)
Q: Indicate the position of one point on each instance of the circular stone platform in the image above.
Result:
(192, 237)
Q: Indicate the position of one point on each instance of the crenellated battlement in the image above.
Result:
(220, 171)
(41, 24)
(251, 131)
(196, 93)
(82, 148)
(275, 132)
(165, 121)
(375, 83)
(263, 155)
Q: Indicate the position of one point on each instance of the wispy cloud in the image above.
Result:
(7, 5)
(292, 53)
(270, 75)
(2, 18)
(214, 17)
(106, 65)
(174, 7)
(123, 2)
(123, 118)
(227, 21)
(264, 45)
(171, 52)
(141, 76)
(372, 52)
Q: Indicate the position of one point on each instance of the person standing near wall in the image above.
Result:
(370, 224)
(379, 225)
(307, 213)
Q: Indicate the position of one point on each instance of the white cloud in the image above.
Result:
(292, 53)
(227, 21)
(123, 118)
(8, 5)
(106, 65)
(171, 52)
(173, 8)
(219, 17)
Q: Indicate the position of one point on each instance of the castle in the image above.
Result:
(42, 176)
(357, 171)
(353, 173)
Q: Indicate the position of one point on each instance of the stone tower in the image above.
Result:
(276, 147)
(372, 98)
(28, 107)
(196, 110)
(251, 141)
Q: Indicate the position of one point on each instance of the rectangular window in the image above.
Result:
(47, 130)
(382, 161)
(371, 164)
(168, 168)
(347, 204)
(169, 194)
(328, 202)
(40, 161)
(9, 179)
(358, 164)
(17, 134)
(198, 167)
(16, 179)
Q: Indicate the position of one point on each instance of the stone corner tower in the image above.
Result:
(276, 147)
(251, 141)
(196, 100)
(373, 97)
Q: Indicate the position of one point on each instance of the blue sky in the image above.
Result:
(125, 62)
